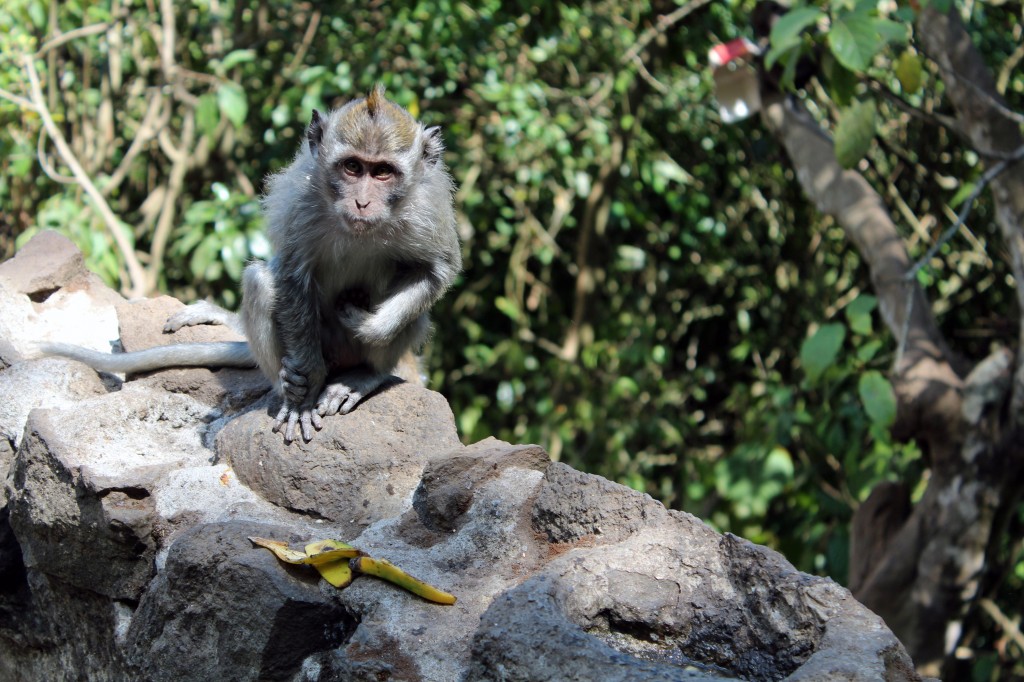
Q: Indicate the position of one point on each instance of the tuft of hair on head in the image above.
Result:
(375, 99)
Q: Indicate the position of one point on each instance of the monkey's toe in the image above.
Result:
(295, 422)
(338, 398)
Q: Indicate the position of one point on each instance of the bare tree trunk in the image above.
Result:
(918, 567)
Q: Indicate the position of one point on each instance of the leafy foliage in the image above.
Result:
(640, 278)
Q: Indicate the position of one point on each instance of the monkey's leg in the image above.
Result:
(258, 293)
(203, 312)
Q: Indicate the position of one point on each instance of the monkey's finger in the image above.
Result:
(350, 403)
(315, 418)
(289, 371)
(306, 422)
(293, 419)
(333, 402)
(279, 419)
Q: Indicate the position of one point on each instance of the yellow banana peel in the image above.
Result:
(336, 561)
(388, 571)
(329, 557)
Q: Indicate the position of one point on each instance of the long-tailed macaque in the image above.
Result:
(363, 229)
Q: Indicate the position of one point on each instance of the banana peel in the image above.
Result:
(329, 557)
(337, 561)
(388, 571)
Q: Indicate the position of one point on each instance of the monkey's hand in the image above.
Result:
(298, 383)
(201, 312)
(369, 328)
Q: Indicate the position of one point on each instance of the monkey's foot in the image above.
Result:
(341, 397)
(201, 312)
(290, 417)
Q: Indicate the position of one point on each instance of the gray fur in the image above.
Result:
(360, 258)
(404, 258)
(225, 354)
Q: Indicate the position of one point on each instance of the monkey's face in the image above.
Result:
(370, 156)
(366, 189)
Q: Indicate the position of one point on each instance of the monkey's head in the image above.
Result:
(371, 153)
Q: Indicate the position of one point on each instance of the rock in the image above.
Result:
(362, 467)
(46, 263)
(675, 601)
(248, 617)
(141, 326)
(124, 551)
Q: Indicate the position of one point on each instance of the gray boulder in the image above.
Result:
(129, 501)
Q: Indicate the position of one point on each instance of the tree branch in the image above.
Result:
(136, 275)
(664, 23)
(63, 38)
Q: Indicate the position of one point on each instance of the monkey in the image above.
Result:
(364, 242)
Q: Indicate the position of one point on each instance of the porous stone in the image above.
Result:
(360, 468)
(124, 551)
(141, 326)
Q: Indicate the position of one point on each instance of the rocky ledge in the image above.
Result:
(124, 525)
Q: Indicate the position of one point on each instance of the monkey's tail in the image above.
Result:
(220, 354)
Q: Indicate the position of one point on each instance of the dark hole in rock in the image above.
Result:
(42, 295)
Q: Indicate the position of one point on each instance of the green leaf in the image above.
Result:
(842, 83)
(510, 309)
(854, 133)
(207, 114)
(966, 189)
(908, 71)
(869, 350)
(232, 103)
(890, 31)
(787, 55)
(237, 57)
(858, 313)
(853, 40)
(786, 31)
(819, 352)
(878, 398)
(625, 387)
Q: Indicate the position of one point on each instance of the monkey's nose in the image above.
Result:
(361, 206)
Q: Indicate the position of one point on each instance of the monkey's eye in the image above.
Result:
(383, 171)
(352, 167)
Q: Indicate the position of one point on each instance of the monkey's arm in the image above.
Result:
(296, 315)
(414, 292)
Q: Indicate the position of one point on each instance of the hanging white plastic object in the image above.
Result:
(737, 85)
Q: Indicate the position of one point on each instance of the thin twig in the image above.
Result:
(44, 161)
(153, 121)
(1009, 627)
(908, 108)
(82, 32)
(987, 177)
(307, 40)
(647, 76)
(167, 38)
(978, 90)
(135, 273)
(1008, 68)
(664, 23)
(20, 101)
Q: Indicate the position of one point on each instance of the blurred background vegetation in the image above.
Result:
(647, 293)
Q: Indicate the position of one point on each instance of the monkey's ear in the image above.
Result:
(433, 145)
(315, 133)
